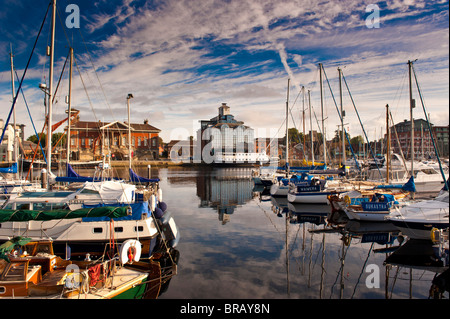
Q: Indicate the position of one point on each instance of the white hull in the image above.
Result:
(416, 220)
(77, 230)
(367, 216)
(313, 198)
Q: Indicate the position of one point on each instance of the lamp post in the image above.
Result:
(130, 96)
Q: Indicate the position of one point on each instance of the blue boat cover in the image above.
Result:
(138, 179)
(11, 169)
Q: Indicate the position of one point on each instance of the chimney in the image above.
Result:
(145, 121)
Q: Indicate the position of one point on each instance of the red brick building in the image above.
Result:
(89, 140)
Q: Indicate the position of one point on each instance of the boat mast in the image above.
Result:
(14, 111)
(303, 113)
(323, 121)
(287, 130)
(50, 92)
(342, 117)
(411, 106)
(130, 96)
(310, 124)
(69, 106)
(388, 144)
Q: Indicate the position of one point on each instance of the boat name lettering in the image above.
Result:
(308, 188)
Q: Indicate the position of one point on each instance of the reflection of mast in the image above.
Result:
(287, 255)
(323, 265)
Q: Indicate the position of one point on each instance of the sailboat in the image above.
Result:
(418, 219)
(427, 178)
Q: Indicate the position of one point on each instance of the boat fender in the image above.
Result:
(158, 213)
(434, 235)
(152, 203)
(347, 199)
(346, 240)
(163, 206)
(160, 194)
(130, 251)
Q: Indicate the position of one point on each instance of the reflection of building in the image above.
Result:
(224, 189)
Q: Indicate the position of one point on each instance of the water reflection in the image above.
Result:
(264, 247)
(223, 190)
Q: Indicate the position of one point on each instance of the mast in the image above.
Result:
(342, 116)
(69, 106)
(304, 135)
(287, 129)
(388, 144)
(130, 96)
(411, 106)
(323, 121)
(310, 124)
(50, 92)
(14, 110)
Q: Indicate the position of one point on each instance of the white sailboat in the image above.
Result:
(418, 219)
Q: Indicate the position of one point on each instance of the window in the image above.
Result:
(138, 228)
(139, 141)
(118, 229)
(98, 230)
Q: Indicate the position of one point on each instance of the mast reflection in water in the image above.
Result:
(270, 249)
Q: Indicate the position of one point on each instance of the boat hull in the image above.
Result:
(309, 197)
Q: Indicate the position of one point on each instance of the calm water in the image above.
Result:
(238, 242)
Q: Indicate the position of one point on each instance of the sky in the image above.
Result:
(181, 59)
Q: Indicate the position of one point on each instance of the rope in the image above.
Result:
(23, 76)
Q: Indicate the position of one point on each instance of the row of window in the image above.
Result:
(99, 230)
(140, 141)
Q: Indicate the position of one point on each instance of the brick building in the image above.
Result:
(89, 140)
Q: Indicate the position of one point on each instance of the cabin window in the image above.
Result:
(16, 271)
(138, 228)
(98, 230)
(89, 191)
(118, 229)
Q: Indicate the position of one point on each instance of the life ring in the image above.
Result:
(130, 251)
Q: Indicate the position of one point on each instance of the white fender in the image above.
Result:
(130, 251)
(160, 194)
(152, 203)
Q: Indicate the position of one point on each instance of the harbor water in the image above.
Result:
(239, 242)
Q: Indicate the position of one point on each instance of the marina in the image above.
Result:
(257, 200)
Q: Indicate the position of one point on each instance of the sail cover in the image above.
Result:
(134, 178)
(13, 215)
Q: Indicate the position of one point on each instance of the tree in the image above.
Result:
(61, 137)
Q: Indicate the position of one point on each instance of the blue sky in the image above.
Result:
(182, 59)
